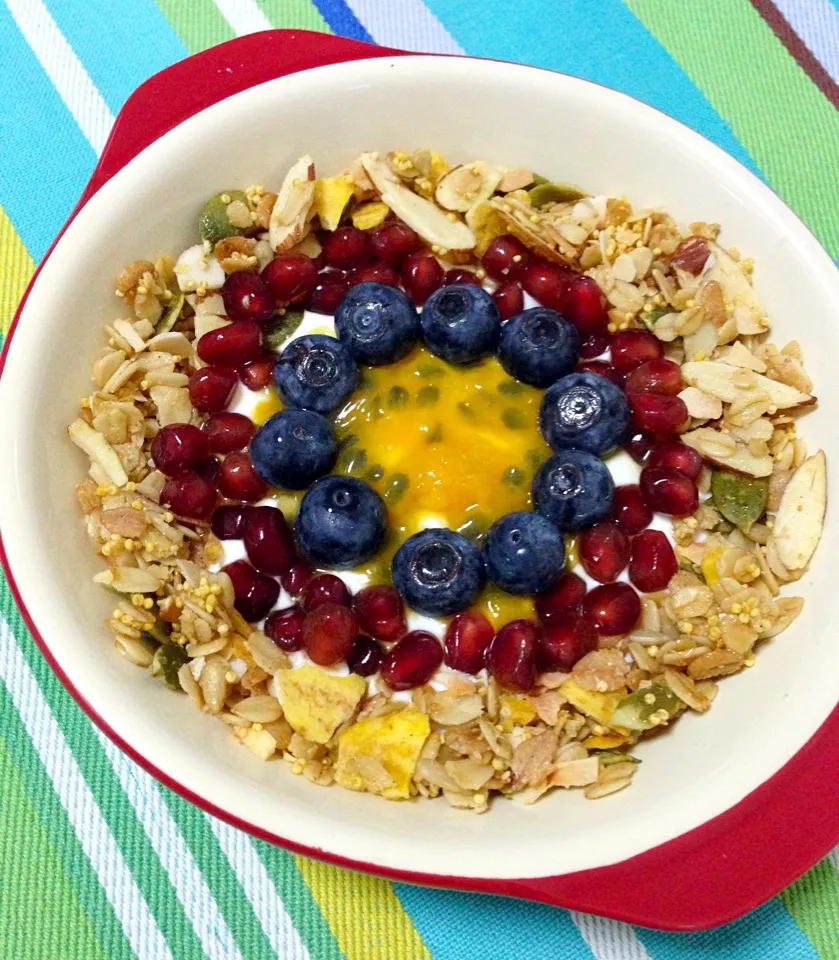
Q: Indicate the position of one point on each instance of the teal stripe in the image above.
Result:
(602, 42)
(131, 838)
(61, 834)
(118, 51)
(45, 159)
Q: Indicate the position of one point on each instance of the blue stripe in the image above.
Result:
(119, 49)
(342, 20)
(462, 926)
(765, 932)
(45, 160)
(607, 45)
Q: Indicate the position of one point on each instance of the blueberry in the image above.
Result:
(293, 448)
(586, 411)
(460, 323)
(316, 372)
(573, 489)
(438, 571)
(524, 553)
(341, 522)
(538, 346)
(377, 322)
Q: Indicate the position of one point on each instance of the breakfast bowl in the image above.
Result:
(731, 806)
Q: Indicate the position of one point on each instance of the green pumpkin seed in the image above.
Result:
(513, 477)
(646, 708)
(510, 388)
(428, 395)
(649, 319)
(608, 757)
(173, 313)
(740, 499)
(281, 328)
(396, 488)
(398, 397)
(544, 193)
(213, 222)
(168, 660)
(538, 180)
(513, 419)
(160, 631)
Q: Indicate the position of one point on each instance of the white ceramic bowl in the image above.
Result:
(565, 128)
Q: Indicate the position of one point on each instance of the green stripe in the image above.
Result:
(782, 119)
(813, 902)
(61, 834)
(131, 838)
(197, 23)
(294, 14)
(36, 896)
(220, 878)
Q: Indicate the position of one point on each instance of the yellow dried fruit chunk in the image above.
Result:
(605, 741)
(709, 565)
(370, 215)
(316, 703)
(600, 706)
(332, 194)
(516, 711)
(380, 755)
(439, 167)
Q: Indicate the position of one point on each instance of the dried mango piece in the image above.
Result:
(516, 711)
(709, 565)
(600, 706)
(380, 755)
(316, 703)
(332, 194)
(370, 215)
(605, 741)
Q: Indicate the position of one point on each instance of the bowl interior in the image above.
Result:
(566, 129)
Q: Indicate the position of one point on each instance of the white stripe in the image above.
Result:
(243, 16)
(609, 939)
(260, 891)
(407, 24)
(196, 898)
(95, 837)
(64, 69)
(817, 23)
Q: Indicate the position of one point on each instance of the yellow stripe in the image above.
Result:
(364, 914)
(16, 267)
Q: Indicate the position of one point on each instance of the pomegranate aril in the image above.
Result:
(675, 455)
(290, 277)
(586, 307)
(604, 551)
(258, 374)
(296, 577)
(328, 292)
(509, 298)
(563, 641)
(562, 600)
(655, 376)
(657, 413)
(226, 432)
(365, 657)
(178, 447)
(412, 661)
(602, 369)
(653, 563)
(255, 592)
(393, 241)
(189, 495)
(285, 628)
(247, 297)
(466, 641)
(229, 522)
(639, 446)
(548, 283)
(630, 348)
(239, 481)
(233, 345)
(595, 346)
(211, 388)
(669, 491)
(691, 255)
(460, 276)
(421, 276)
(268, 540)
(376, 272)
(208, 468)
(612, 609)
(630, 510)
(325, 588)
(511, 657)
(505, 257)
(381, 612)
(347, 248)
(329, 633)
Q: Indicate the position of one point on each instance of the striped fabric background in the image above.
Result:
(97, 860)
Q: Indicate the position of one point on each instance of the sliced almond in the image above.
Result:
(701, 405)
(426, 218)
(800, 518)
(739, 356)
(721, 380)
(99, 451)
(724, 450)
(289, 221)
(195, 269)
(737, 287)
(467, 185)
